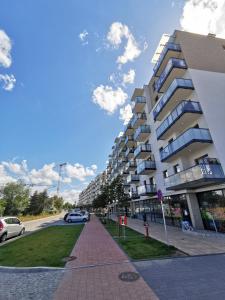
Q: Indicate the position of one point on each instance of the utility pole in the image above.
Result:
(60, 172)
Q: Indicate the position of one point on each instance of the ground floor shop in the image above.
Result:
(204, 210)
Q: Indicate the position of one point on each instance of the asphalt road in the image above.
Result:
(186, 278)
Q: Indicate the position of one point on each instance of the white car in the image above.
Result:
(76, 217)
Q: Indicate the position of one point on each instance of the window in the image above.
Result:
(152, 180)
(202, 159)
(165, 174)
(176, 168)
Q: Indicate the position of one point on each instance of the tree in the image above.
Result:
(16, 197)
(2, 207)
(67, 206)
(58, 203)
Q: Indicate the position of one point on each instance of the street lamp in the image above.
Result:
(60, 171)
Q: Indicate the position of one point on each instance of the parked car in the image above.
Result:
(65, 217)
(86, 213)
(10, 227)
(76, 217)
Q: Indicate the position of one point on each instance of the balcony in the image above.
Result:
(138, 120)
(179, 89)
(121, 142)
(130, 142)
(131, 165)
(146, 167)
(139, 105)
(129, 153)
(184, 114)
(147, 189)
(175, 68)
(170, 50)
(133, 178)
(134, 195)
(129, 129)
(142, 133)
(196, 177)
(142, 151)
(191, 140)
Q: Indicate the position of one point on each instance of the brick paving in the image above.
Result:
(94, 274)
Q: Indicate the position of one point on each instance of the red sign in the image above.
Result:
(123, 220)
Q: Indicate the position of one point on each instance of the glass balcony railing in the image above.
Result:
(132, 178)
(185, 106)
(172, 63)
(164, 99)
(142, 148)
(168, 47)
(138, 116)
(196, 176)
(140, 99)
(142, 129)
(185, 139)
(129, 138)
(147, 189)
(146, 165)
(129, 151)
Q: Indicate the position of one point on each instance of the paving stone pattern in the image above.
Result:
(94, 275)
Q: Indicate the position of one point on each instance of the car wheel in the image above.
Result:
(3, 237)
(69, 221)
(84, 220)
(22, 231)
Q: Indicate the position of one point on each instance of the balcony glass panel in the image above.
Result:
(177, 83)
(146, 165)
(183, 107)
(129, 138)
(172, 63)
(132, 177)
(140, 99)
(195, 173)
(138, 116)
(142, 129)
(189, 136)
(147, 189)
(168, 46)
(142, 148)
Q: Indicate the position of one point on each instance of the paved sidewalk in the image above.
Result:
(94, 274)
(189, 243)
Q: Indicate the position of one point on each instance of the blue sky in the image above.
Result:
(48, 115)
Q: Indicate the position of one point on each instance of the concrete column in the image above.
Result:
(194, 211)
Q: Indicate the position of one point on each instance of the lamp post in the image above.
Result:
(60, 171)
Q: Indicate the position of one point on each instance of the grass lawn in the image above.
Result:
(137, 246)
(46, 247)
(32, 217)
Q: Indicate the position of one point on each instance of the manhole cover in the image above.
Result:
(68, 258)
(129, 276)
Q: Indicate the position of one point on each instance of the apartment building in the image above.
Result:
(87, 196)
(175, 141)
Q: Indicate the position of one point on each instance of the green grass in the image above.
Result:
(137, 246)
(46, 247)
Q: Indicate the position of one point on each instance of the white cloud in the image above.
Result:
(46, 175)
(108, 98)
(116, 34)
(8, 81)
(5, 49)
(83, 37)
(4, 177)
(204, 16)
(126, 114)
(78, 171)
(71, 196)
(129, 77)
(16, 168)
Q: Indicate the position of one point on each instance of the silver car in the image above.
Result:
(10, 227)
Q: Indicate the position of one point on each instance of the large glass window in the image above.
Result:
(212, 207)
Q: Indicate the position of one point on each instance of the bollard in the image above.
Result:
(146, 231)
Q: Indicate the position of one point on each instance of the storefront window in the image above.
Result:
(212, 207)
